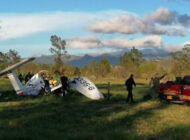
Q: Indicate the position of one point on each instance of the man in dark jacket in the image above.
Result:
(65, 83)
(28, 77)
(129, 85)
(46, 82)
(20, 77)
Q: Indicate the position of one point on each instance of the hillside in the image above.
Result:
(80, 61)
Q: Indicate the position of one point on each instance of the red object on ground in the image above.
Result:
(176, 90)
(20, 93)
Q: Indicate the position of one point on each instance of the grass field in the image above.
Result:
(77, 117)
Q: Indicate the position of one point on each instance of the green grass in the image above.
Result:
(77, 117)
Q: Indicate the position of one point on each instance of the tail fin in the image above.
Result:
(17, 85)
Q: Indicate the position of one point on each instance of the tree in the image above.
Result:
(77, 72)
(181, 61)
(3, 60)
(8, 58)
(119, 71)
(58, 49)
(103, 67)
(148, 69)
(90, 69)
(131, 60)
(13, 56)
(133, 57)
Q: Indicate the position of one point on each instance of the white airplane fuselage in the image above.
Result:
(36, 84)
(32, 87)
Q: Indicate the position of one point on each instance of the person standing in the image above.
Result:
(28, 77)
(151, 84)
(65, 84)
(46, 86)
(20, 77)
(156, 83)
(129, 85)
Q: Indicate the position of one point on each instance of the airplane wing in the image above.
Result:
(15, 66)
(56, 87)
(84, 86)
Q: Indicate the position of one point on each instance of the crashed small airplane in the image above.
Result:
(35, 84)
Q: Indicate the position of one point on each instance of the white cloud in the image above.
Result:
(22, 25)
(161, 22)
(184, 20)
(91, 42)
(19, 25)
(174, 48)
(96, 46)
(161, 15)
(87, 42)
(148, 41)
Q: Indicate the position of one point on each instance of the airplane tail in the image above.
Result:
(17, 85)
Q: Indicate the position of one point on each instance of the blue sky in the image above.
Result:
(23, 6)
(93, 26)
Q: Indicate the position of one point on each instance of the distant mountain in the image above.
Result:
(81, 61)
(77, 61)
(149, 52)
(154, 53)
(49, 59)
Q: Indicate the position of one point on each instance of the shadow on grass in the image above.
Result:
(71, 119)
(76, 117)
(119, 86)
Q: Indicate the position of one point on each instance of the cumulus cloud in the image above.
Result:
(88, 42)
(120, 43)
(161, 15)
(98, 46)
(20, 25)
(174, 48)
(161, 22)
(184, 20)
(148, 41)
(91, 42)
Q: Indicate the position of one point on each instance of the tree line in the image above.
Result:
(177, 64)
(9, 58)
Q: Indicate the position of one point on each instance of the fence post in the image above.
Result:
(108, 96)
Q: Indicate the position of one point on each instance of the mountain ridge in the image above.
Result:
(81, 61)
